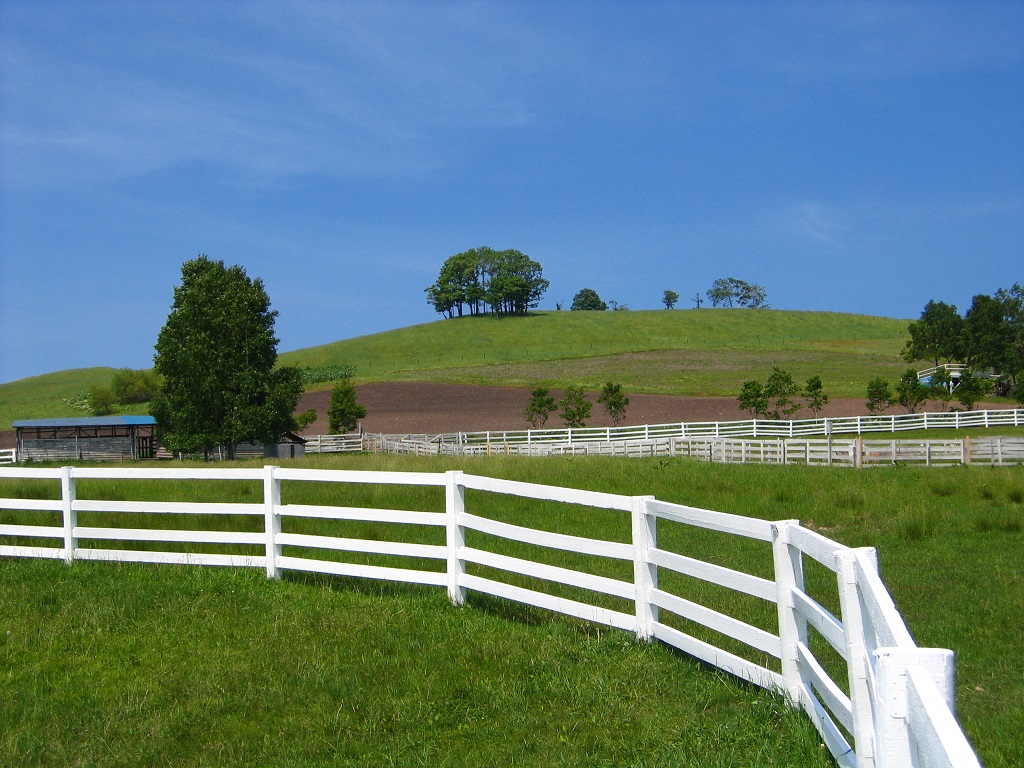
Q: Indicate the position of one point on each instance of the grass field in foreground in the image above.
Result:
(949, 543)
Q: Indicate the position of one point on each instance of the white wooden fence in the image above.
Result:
(468, 443)
(8, 455)
(891, 706)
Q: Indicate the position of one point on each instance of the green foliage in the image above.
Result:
(133, 387)
(345, 411)
(305, 418)
(780, 390)
(324, 374)
(728, 291)
(936, 336)
(910, 393)
(879, 395)
(216, 354)
(587, 300)
(669, 299)
(481, 279)
(540, 407)
(80, 400)
(575, 407)
(752, 398)
(814, 393)
(971, 389)
(614, 401)
(940, 387)
(102, 400)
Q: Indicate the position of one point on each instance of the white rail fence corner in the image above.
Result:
(8, 455)
(892, 707)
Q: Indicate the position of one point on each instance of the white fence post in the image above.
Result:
(896, 743)
(272, 520)
(645, 573)
(455, 508)
(859, 645)
(789, 576)
(70, 517)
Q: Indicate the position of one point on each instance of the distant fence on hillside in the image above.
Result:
(891, 703)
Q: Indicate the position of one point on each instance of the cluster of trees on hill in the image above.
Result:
(988, 337)
(482, 280)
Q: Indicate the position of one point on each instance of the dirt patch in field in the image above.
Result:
(430, 408)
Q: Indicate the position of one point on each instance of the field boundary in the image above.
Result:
(893, 706)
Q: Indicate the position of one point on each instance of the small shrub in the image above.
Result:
(614, 401)
(345, 410)
(540, 407)
(575, 407)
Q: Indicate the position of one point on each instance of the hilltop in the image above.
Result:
(685, 353)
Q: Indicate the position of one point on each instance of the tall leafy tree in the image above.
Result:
(575, 407)
(669, 299)
(728, 291)
(587, 299)
(779, 390)
(910, 392)
(540, 407)
(938, 335)
(217, 354)
(989, 336)
(614, 401)
(753, 399)
(879, 395)
(814, 394)
(481, 279)
(344, 411)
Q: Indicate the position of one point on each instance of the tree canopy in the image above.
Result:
(217, 354)
(482, 280)
(587, 299)
(728, 292)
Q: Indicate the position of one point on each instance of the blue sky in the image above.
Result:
(856, 157)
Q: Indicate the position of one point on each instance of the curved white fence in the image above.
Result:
(890, 704)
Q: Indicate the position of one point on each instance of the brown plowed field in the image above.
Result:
(430, 408)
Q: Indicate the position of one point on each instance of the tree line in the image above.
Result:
(988, 337)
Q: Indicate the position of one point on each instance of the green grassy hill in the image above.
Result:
(684, 352)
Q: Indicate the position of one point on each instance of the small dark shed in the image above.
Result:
(95, 438)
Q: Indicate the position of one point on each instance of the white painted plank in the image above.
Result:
(548, 492)
(715, 574)
(337, 544)
(362, 513)
(167, 507)
(151, 473)
(383, 573)
(940, 741)
(549, 602)
(878, 604)
(603, 584)
(40, 531)
(831, 694)
(815, 545)
(561, 541)
(720, 622)
(360, 477)
(834, 739)
(19, 551)
(152, 534)
(32, 505)
(39, 473)
(828, 626)
(731, 663)
(174, 558)
(717, 521)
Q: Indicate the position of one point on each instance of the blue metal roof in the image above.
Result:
(88, 421)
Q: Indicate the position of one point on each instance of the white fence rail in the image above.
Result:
(8, 455)
(467, 443)
(892, 707)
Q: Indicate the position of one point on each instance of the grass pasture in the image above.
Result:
(684, 352)
(221, 667)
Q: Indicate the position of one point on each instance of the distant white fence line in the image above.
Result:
(459, 443)
(892, 707)
(8, 455)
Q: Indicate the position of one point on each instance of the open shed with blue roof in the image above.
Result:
(99, 438)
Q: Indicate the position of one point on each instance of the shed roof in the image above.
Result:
(88, 421)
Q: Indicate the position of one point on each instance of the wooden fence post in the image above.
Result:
(455, 508)
(70, 516)
(272, 520)
(789, 576)
(645, 573)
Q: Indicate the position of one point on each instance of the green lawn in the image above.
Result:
(949, 543)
